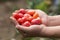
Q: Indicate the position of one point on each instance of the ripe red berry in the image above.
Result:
(30, 19)
(36, 22)
(17, 16)
(23, 11)
(20, 21)
(27, 15)
(27, 23)
(24, 19)
(31, 12)
(35, 15)
(21, 15)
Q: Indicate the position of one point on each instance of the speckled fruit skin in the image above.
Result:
(23, 11)
(17, 16)
(36, 22)
(35, 15)
(27, 23)
(31, 12)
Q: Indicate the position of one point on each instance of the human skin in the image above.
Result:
(49, 28)
(54, 20)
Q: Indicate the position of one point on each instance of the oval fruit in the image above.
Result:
(36, 22)
(31, 12)
(27, 23)
(30, 19)
(35, 15)
(27, 15)
(17, 16)
(23, 11)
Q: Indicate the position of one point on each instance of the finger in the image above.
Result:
(16, 11)
(24, 29)
(22, 33)
(14, 20)
(44, 21)
(41, 13)
(43, 16)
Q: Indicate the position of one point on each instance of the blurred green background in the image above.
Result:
(7, 29)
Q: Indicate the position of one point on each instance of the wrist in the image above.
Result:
(53, 20)
(50, 20)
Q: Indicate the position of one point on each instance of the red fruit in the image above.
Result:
(17, 16)
(35, 15)
(27, 23)
(36, 21)
(20, 21)
(30, 19)
(27, 15)
(31, 12)
(21, 15)
(23, 11)
(24, 19)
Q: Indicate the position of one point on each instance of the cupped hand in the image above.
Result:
(42, 15)
(33, 30)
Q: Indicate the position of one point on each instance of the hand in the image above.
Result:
(42, 15)
(39, 30)
(33, 30)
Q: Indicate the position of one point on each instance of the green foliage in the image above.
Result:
(38, 4)
(58, 10)
(42, 6)
(33, 3)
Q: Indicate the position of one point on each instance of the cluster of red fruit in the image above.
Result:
(27, 18)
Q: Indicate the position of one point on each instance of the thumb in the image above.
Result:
(23, 28)
(14, 20)
(43, 16)
(44, 20)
